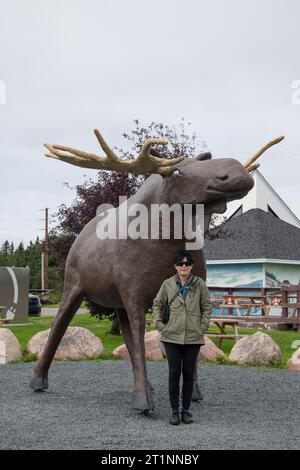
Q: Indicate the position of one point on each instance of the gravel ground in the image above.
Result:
(88, 407)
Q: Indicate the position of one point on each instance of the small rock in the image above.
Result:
(256, 349)
(153, 347)
(10, 349)
(121, 352)
(294, 362)
(209, 352)
(160, 344)
(77, 343)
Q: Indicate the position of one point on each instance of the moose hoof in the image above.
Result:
(39, 384)
(150, 386)
(142, 401)
(196, 395)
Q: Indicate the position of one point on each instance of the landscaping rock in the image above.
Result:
(153, 348)
(121, 352)
(294, 362)
(160, 344)
(256, 349)
(209, 352)
(10, 349)
(77, 343)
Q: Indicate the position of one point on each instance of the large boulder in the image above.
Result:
(294, 362)
(77, 343)
(256, 349)
(155, 351)
(153, 348)
(10, 349)
(209, 352)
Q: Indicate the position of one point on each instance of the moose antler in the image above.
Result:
(144, 163)
(250, 165)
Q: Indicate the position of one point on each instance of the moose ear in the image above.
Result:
(204, 156)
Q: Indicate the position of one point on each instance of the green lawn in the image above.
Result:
(99, 328)
(284, 339)
(50, 305)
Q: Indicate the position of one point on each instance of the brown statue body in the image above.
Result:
(125, 274)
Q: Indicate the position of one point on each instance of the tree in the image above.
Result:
(109, 185)
(31, 257)
(88, 197)
(5, 250)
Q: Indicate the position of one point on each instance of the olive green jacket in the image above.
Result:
(189, 318)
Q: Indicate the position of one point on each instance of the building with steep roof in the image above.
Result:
(258, 246)
(262, 196)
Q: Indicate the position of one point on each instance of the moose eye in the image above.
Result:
(176, 172)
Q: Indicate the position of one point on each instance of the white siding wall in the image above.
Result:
(260, 197)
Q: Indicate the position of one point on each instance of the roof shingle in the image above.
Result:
(254, 235)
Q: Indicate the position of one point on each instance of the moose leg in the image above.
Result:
(127, 335)
(142, 333)
(125, 328)
(196, 395)
(69, 305)
(142, 396)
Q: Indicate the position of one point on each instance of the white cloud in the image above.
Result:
(72, 65)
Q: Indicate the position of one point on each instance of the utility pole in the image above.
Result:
(46, 250)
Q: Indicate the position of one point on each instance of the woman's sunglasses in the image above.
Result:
(184, 263)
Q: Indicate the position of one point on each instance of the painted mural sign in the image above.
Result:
(277, 273)
(235, 275)
(252, 275)
(14, 289)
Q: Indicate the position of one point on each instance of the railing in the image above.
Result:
(286, 298)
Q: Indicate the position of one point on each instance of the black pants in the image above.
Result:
(181, 358)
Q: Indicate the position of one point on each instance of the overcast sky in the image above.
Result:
(72, 65)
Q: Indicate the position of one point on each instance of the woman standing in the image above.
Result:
(183, 334)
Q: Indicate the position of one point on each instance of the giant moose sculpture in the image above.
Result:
(125, 274)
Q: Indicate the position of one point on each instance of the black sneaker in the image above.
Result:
(186, 417)
(174, 418)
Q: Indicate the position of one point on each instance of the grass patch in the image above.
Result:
(50, 305)
(99, 328)
(284, 339)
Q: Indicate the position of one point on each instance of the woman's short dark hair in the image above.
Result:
(181, 254)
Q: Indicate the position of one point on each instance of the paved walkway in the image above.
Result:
(51, 312)
(88, 407)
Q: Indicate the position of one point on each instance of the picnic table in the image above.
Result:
(239, 302)
(221, 323)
